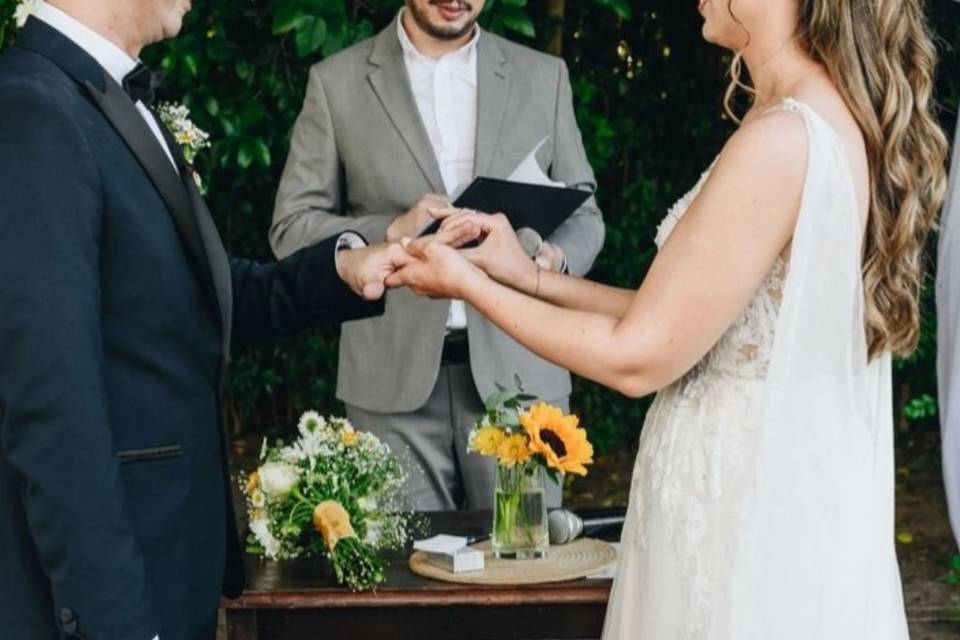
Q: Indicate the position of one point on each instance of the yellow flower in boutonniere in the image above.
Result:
(557, 438)
(332, 521)
(513, 450)
(349, 438)
(191, 138)
(486, 440)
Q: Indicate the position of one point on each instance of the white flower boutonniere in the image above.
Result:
(191, 138)
(23, 11)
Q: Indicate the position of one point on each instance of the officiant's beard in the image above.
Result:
(443, 32)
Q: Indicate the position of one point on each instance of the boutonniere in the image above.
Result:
(23, 11)
(191, 138)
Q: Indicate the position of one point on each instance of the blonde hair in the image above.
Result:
(881, 56)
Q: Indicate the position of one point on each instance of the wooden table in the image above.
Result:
(300, 599)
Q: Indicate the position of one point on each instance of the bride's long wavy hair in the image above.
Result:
(880, 54)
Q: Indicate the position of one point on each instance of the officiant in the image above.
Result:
(389, 128)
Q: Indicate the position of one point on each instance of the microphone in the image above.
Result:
(565, 526)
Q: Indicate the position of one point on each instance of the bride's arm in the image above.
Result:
(503, 258)
(700, 282)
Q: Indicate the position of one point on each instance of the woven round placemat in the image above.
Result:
(578, 559)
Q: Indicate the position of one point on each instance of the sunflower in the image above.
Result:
(557, 438)
(513, 450)
(485, 440)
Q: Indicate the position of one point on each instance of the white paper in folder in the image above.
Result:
(529, 171)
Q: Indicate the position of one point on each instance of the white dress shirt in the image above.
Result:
(111, 57)
(445, 90)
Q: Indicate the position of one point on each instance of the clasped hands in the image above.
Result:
(436, 265)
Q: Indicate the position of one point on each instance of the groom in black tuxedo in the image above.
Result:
(118, 309)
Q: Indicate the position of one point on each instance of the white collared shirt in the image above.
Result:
(445, 90)
(112, 58)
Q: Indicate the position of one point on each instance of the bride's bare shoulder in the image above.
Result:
(769, 151)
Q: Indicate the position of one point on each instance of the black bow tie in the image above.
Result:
(142, 84)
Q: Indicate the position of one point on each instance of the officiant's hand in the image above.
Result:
(429, 208)
(500, 253)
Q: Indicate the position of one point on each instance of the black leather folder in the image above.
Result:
(539, 207)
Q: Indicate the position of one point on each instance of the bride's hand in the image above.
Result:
(438, 271)
(500, 253)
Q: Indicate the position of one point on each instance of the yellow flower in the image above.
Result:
(349, 438)
(253, 482)
(513, 450)
(332, 521)
(557, 438)
(486, 440)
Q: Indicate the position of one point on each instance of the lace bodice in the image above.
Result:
(744, 350)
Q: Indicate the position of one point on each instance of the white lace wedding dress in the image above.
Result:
(761, 505)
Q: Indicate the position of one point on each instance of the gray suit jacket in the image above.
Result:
(948, 339)
(360, 156)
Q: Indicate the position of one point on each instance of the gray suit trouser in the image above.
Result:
(432, 444)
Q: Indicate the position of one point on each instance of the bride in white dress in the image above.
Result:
(761, 505)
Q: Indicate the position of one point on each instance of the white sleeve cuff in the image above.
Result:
(350, 240)
(346, 242)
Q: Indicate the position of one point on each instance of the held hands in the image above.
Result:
(440, 271)
(367, 269)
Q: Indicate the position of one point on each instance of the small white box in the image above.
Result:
(460, 561)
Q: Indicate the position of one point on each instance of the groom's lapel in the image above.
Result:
(123, 115)
(493, 85)
(392, 86)
(216, 253)
(41, 38)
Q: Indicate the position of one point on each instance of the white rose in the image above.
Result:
(277, 479)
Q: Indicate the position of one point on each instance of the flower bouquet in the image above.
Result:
(528, 445)
(335, 492)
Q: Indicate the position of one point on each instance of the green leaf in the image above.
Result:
(621, 8)
(287, 18)
(262, 153)
(516, 19)
(310, 36)
(192, 64)
(245, 156)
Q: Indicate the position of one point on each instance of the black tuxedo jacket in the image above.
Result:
(118, 307)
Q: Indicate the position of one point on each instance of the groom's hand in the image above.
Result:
(365, 269)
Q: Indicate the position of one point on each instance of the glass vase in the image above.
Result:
(520, 512)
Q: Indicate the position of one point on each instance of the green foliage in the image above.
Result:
(648, 102)
(953, 576)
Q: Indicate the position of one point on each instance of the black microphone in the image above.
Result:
(565, 526)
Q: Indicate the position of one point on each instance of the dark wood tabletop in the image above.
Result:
(300, 599)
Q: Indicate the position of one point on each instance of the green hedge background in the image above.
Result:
(648, 96)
